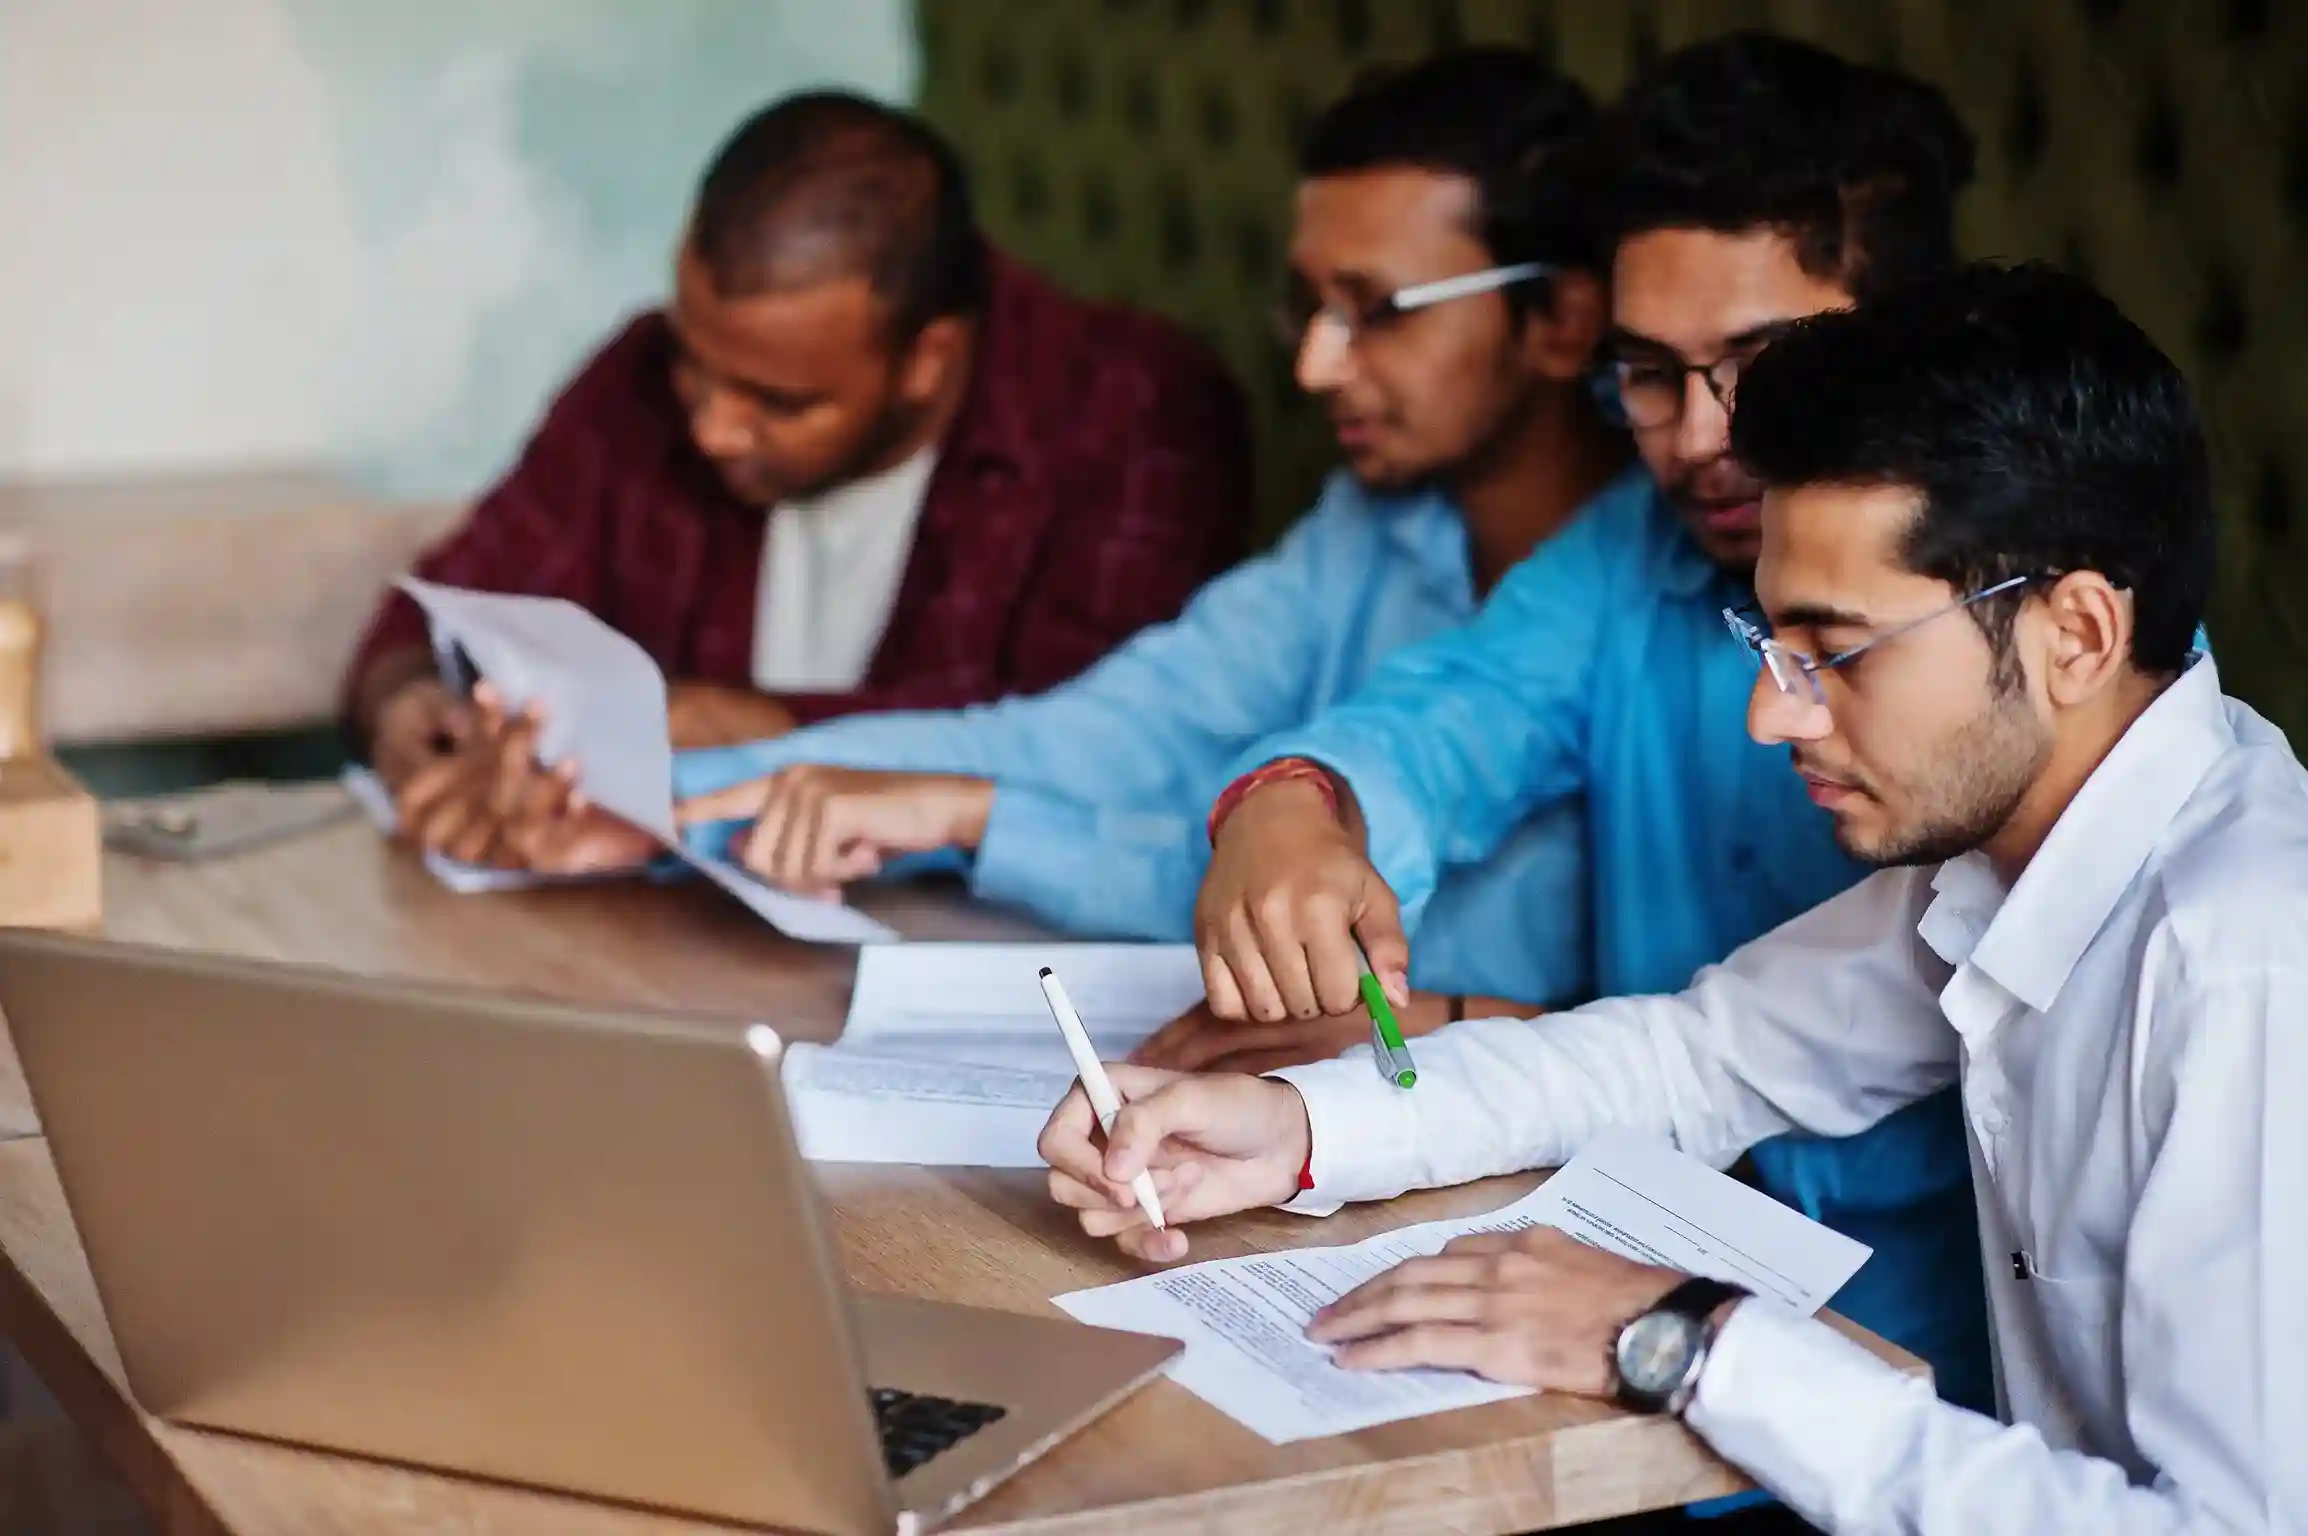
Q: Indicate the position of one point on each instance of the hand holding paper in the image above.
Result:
(604, 712)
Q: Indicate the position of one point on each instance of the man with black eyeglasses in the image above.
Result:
(1749, 181)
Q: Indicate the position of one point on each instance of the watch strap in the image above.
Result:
(1698, 1297)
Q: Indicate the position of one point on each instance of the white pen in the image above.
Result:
(1105, 1103)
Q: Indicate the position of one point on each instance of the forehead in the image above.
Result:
(794, 338)
(1838, 547)
(1694, 289)
(1396, 222)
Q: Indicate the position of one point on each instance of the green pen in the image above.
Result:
(1386, 1044)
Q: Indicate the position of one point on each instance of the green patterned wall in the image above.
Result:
(1142, 149)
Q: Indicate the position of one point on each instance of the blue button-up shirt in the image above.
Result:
(1104, 784)
(1601, 667)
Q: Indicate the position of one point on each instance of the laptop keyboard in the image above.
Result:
(916, 1427)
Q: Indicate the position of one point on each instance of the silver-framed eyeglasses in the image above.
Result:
(1292, 316)
(1797, 672)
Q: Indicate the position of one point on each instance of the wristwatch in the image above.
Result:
(1658, 1355)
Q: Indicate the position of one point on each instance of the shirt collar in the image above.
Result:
(2034, 936)
(1426, 530)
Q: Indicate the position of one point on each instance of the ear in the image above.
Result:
(930, 361)
(1559, 339)
(2087, 629)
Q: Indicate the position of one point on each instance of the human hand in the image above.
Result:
(817, 828)
(1288, 893)
(1536, 1308)
(419, 723)
(1200, 1041)
(1215, 1145)
(552, 829)
(459, 805)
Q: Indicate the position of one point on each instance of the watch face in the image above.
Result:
(1654, 1352)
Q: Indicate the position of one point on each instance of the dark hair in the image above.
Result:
(829, 184)
(1750, 130)
(2043, 431)
(1495, 115)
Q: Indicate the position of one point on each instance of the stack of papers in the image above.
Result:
(950, 1055)
(605, 711)
(1244, 1321)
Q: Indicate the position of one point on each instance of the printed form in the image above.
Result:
(1244, 1320)
(957, 1040)
(982, 1003)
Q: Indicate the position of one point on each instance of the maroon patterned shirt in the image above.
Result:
(1097, 473)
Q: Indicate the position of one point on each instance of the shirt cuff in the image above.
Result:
(1027, 838)
(1803, 1410)
(708, 840)
(1364, 1132)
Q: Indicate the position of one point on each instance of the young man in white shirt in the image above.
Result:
(1987, 541)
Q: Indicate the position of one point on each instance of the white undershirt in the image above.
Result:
(830, 568)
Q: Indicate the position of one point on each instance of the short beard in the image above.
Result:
(1980, 775)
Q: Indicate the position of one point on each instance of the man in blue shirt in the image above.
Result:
(1445, 302)
(1750, 181)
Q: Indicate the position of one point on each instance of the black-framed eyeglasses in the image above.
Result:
(1292, 316)
(1796, 673)
(1650, 386)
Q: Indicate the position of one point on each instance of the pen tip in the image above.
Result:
(1045, 973)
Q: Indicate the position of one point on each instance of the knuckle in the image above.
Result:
(1273, 909)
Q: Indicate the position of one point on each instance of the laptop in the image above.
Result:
(562, 1246)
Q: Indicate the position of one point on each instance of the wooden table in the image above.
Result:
(1164, 1461)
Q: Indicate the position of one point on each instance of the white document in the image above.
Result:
(850, 1106)
(604, 699)
(605, 709)
(983, 1003)
(1244, 1320)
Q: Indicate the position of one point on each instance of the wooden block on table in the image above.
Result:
(51, 848)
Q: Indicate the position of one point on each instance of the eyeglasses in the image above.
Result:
(1291, 317)
(1797, 673)
(1650, 388)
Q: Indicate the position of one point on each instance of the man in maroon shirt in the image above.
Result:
(861, 461)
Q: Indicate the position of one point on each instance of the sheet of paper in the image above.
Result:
(983, 1002)
(1244, 1320)
(604, 699)
(800, 917)
(605, 709)
(850, 1106)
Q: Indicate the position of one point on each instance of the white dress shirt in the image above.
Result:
(830, 570)
(2129, 1022)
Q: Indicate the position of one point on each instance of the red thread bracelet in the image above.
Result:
(1306, 1171)
(1282, 770)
